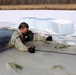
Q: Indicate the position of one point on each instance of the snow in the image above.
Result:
(40, 63)
(8, 25)
(62, 21)
(11, 19)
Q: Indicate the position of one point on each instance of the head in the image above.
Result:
(23, 27)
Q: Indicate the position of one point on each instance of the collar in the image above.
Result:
(19, 32)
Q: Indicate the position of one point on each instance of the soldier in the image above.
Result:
(23, 35)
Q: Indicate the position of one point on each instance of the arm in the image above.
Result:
(17, 42)
(38, 37)
(20, 46)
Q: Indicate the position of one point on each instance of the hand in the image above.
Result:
(49, 38)
(31, 49)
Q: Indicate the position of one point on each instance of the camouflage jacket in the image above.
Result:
(16, 41)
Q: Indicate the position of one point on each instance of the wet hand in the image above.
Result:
(31, 49)
(49, 38)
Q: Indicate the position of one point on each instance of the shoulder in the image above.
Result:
(30, 32)
(16, 33)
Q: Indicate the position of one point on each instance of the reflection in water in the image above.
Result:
(5, 36)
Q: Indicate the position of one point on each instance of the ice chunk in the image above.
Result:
(52, 26)
(43, 24)
(29, 20)
(63, 27)
(39, 24)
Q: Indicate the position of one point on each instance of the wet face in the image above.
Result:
(24, 30)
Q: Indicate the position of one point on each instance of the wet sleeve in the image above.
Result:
(38, 37)
(16, 41)
(20, 46)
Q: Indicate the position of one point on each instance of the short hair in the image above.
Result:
(23, 25)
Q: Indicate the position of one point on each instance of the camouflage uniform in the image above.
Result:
(17, 42)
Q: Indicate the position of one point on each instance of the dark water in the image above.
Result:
(5, 36)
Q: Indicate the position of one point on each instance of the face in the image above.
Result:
(24, 30)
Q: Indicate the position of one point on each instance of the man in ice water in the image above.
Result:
(22, 35)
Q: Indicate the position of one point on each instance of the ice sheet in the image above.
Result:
(40, 63)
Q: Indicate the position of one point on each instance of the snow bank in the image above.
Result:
(8, 25)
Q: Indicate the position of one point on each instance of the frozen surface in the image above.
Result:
(48, 61)
(40, 63)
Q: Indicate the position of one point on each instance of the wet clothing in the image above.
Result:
(18, 40)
